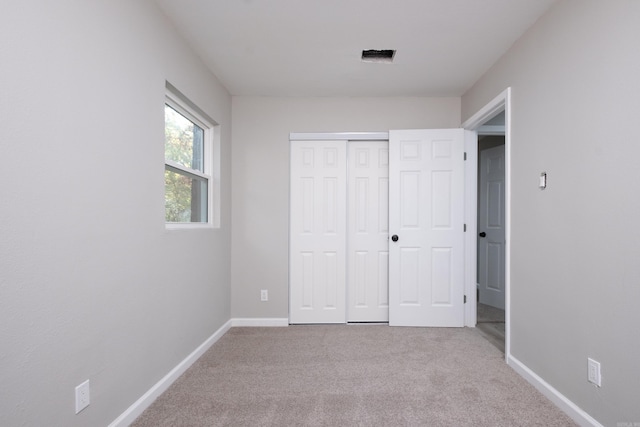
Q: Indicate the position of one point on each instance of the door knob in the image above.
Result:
(394, 237)
(483, 234)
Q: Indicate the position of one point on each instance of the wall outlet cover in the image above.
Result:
(594, 376)
(83, 397)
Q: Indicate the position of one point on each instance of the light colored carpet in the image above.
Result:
(491, 324)
(340, 375)
(487, 313)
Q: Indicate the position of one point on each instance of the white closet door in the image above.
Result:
(368, 231)
(426, 220)
(318, 216)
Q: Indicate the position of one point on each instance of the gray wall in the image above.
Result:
(261, 127)
(576, 246)
(92, 286)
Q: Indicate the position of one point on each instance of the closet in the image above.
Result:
(365, 214)
(339, 250)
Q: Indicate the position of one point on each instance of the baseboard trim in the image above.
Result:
(260, 322)
(134, 411)
(567, 406)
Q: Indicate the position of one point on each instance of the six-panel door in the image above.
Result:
(368, 231)
(491, 244)
(426, 214)
(317, 247)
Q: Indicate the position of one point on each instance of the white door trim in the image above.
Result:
(332, 136)
(471, 221)
(496, 105)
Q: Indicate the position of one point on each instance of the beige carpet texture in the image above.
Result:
(344, 375)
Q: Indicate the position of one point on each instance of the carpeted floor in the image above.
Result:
(489, 314)
(341, 375)
(491, 324)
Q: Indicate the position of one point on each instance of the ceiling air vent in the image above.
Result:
(373, 55)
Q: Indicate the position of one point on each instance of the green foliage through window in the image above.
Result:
(186, 186)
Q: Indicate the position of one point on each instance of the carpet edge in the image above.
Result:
(138, 407)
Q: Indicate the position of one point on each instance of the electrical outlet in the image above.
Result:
(593, 375)
(82, 396)
(264, 295)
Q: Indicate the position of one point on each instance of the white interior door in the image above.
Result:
(426, 213)
(318, 216)
(368, 231)
(491, 238)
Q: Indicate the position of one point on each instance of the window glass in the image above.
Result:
(187, 164)
(184, 140)
(185, 196)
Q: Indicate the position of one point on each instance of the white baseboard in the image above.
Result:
(560, 400)
(257, 322)
(128, 416)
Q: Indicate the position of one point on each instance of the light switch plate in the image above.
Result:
(543, 181)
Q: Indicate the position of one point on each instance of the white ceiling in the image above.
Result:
(313, 47)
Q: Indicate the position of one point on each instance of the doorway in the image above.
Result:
(491, 236)
(481, 123)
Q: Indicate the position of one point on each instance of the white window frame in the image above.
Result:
(211, 159)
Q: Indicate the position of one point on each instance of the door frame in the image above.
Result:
(474, 123)
(342, 136)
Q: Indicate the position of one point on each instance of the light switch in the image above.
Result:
(543, 180)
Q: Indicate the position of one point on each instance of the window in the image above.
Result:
(188, 164)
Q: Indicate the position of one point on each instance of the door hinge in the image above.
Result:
(465, 299)
(464, 228)
(465, 155)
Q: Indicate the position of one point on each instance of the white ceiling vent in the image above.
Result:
(373, 55)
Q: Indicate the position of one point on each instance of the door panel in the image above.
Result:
(409, 276)
(491, 247)
(426, 212)
(368, 231)
(317, 256)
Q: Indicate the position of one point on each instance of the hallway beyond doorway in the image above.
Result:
(491, 324)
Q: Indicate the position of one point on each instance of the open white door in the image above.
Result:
(317, 257)
(491, 250)
(426, 222)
